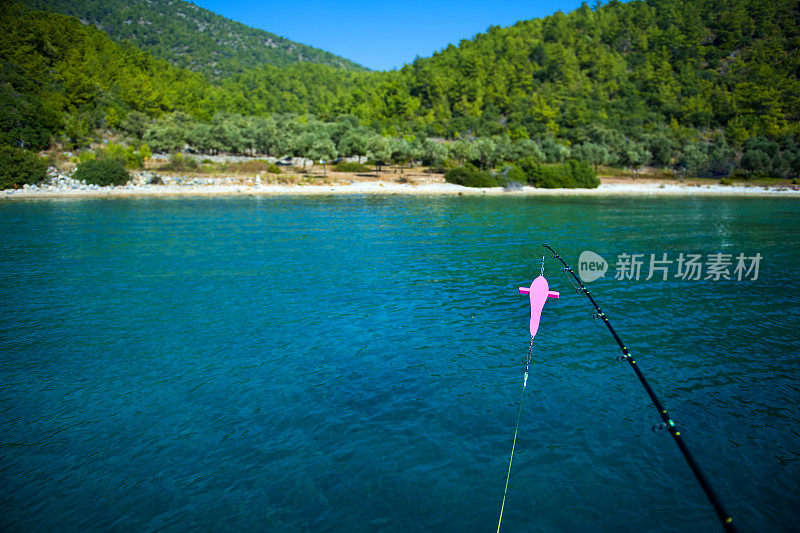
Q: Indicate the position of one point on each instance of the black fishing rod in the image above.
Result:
(668, 424)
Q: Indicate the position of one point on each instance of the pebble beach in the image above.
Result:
(60, 185)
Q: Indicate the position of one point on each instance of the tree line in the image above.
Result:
(705, 86)
(280, 136)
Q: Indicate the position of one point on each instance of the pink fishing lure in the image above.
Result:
(539, 291)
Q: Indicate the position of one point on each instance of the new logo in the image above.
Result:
(591, 266)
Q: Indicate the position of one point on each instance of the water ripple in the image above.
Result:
(355, 364)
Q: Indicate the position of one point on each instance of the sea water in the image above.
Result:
(355, 364)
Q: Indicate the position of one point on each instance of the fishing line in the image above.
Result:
(516, 430)
(668, 423)
(525, 379)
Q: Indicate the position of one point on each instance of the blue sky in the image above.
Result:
(378, 34)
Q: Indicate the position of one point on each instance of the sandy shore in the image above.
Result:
(609, 187)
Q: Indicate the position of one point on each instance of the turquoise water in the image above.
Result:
(355, 363)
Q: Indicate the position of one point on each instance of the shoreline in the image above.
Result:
(614, 188)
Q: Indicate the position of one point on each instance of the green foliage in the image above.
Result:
(180, 163)
(692, 158)
(253, 166)
(720, 161)
(85, 156)
(167, 29)
(756, 161)
(570, 175)
(661, 149)
(351, 167)
(61, 76)
(470, 177)
(464, 151)
(550, 177)
(378, 150)
(554, 151)
(513, 174)
(583, 176)
(486, 150)
(594, 154)
(24, 122)
(322, 150)
(103, 172)
(401, 151)
(129, 156)
(525, 149)
(623, 66)
(144, 152)
(353, 142)
(20, 167)
(170, 133)
(633, 154)
(434, 152)
(135, 124)
(705, 85)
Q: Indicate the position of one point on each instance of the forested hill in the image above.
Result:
(631, 67)
(710, 85)
(189, 36)
(61, 80)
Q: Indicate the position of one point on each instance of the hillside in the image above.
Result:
(191, 37)
(66, 81)
(704, 85)
(632, 67)
(61, 78)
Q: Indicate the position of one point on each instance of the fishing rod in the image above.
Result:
(668, 423)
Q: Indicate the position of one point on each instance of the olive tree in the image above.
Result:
(323, 150)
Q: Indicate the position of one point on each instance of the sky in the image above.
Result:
(378, 34)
